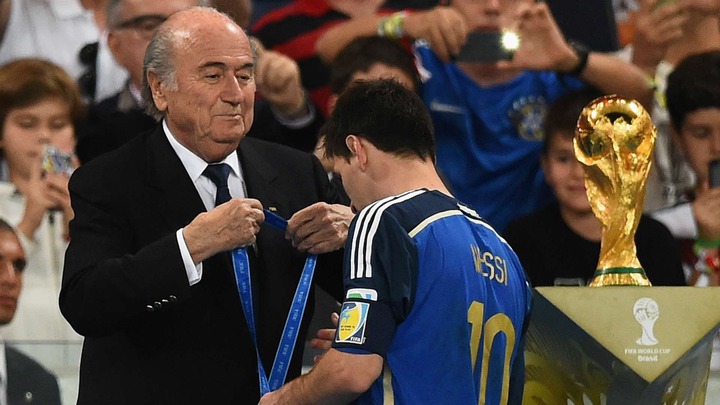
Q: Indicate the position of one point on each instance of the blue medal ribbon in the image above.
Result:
(280, 366)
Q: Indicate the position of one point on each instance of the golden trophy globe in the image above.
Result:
(614, 141)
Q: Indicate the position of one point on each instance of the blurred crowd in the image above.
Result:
(72, 78)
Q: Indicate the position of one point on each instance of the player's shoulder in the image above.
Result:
(413, 209)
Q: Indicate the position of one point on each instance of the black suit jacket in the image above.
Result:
(28, 382)
(123, 258)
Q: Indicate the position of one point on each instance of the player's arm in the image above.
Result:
(337, 378)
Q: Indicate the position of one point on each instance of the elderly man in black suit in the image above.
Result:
(148, 277)
(283, 115)
(26, 381)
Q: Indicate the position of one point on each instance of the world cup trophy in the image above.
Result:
(614, 141)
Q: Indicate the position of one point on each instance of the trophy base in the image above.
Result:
(618, 276)
(588, 345)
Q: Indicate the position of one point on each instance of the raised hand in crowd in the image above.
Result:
(656, 28)
(278, 81)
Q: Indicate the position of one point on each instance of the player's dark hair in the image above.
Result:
(386, 113)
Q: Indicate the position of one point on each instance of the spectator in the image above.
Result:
(54, 30)
(693, 103)
(488, 115)
(39, 106)
(148, 277)
(102, 77)
(560, 244)
(294, 29)
(693, 97)
(287, 118)
(665, 33)
(24, 380)
(115, 120)
(417, 293)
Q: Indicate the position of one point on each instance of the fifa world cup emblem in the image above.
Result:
(614, 141)
(646, 312)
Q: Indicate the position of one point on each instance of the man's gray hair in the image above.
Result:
(158, 59)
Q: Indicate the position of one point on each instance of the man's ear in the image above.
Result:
(157, 90)
(358, 148)
(351, 143)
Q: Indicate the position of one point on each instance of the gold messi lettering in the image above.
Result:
(489, 265)
(477, 258)
(501, 266)
(487, 259)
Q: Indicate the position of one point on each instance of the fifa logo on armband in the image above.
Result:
(490, 266)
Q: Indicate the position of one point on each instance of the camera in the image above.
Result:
(485, 46)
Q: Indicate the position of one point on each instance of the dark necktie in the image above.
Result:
(218, 174)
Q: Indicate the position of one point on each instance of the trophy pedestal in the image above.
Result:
(620, 345)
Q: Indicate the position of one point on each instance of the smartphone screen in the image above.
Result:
(483, 46)
(714, 173)
(56, 161)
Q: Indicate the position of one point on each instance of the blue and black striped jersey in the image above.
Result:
(432, 288)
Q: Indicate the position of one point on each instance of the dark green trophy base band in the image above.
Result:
(619, 270)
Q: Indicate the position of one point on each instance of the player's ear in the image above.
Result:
(351, 141)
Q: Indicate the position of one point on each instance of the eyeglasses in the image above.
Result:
(145, 25)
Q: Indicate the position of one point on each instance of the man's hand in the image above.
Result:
(656, 28)
(43, 192)
(320, 228)
(443, 27)
(228, 226)
(278, 81)
(542, 45)
(706, 209)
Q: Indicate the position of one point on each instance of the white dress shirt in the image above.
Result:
(195, 166)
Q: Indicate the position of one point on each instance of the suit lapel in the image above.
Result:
(168, 182)
(259, 175)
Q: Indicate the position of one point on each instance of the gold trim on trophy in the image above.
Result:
(614, 141)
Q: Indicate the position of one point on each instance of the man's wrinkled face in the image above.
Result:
(209, 108)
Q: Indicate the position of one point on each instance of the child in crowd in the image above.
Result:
(560, 244)
(39, 106)
(693, 99)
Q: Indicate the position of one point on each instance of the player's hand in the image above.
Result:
(324, 337)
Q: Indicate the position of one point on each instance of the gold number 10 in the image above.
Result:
(496, 324)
